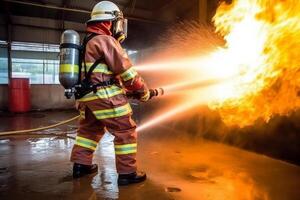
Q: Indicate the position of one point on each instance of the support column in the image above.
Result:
(9, 59)
(202, 11)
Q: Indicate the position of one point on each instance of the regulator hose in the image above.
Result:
(6, 133)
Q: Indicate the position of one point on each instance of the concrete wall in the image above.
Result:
(43, 97)
(3, 97)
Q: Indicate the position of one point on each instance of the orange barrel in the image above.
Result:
(19, 95)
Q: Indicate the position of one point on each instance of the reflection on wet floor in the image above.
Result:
(39, 168)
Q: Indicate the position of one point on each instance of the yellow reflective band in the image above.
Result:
(101, 68)
(128, 74)
(68, 68)
(114, 112)
(125, 152)
(125, 149)
(87, 143)
(125, 145)
(103, 93)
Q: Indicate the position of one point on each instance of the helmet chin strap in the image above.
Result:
(121, 38)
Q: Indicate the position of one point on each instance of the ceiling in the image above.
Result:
(147, 19)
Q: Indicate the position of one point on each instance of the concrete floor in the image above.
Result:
(178, 168)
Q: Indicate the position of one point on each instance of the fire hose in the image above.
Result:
(153, 93)
(6, 133)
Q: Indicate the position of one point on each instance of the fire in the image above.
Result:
(254, 76)
(262, 45)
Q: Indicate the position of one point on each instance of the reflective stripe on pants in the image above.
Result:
(92, 129)
(125, 149)
(87, 143)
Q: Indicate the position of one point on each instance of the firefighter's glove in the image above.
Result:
(145, 96)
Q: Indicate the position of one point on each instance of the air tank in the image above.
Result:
(69, 61)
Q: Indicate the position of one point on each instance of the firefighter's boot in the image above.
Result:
(80, 170)
(136, 177)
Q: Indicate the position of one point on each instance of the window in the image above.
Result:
(3, 63)
(51, 72)
(36, 61)
(38, 71)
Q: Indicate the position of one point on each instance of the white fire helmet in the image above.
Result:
(108, 11)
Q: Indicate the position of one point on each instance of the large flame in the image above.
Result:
(262, 45)
(254, 76)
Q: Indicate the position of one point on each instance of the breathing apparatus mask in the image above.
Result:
(119, 26)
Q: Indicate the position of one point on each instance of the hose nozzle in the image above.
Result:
(153, 93)
(156, 92)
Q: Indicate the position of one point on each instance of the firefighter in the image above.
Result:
(107, 108)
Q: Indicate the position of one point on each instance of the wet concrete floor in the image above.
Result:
(178, 168)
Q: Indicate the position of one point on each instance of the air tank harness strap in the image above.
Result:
(86, 39)
(103, 84)
(86, 87)
(70, 45)
(94, 65)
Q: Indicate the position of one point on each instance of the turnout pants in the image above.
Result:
(92, 125)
